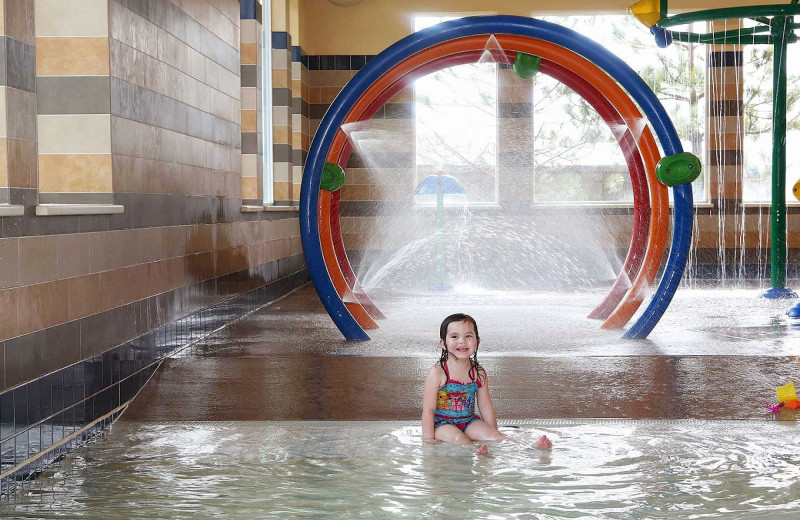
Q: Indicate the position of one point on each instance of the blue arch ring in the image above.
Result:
(471, 26)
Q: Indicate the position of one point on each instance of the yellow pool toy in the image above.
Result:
(786, 393)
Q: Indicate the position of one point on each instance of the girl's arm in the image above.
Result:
(485, 405)
(429, 395)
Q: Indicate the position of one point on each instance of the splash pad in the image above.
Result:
(572, 58)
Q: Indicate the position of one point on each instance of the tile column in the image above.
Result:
(252, 137)
(18, 101)
(73, 102)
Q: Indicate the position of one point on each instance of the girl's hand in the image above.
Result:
(431, 440)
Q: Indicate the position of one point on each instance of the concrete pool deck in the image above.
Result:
(717, 354)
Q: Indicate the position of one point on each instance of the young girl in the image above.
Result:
(455, 385)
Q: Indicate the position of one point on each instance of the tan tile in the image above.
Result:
(2, 18)
(248, 53)
(329, 78)
(76, 173)
(249, 121)
(356, 192)
(281, 190)
(249, 188)
(72, 57)
(280, 79)
(280, 134)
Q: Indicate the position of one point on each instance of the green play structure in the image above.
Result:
(775, 25)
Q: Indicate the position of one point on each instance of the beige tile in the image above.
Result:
(2, 18)
(72, 56)
(71, 17)
(75, 133)
(75, 173)
(250, 98)
(249, 31)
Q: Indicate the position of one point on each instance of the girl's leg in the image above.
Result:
(451, 434)
(480, 431)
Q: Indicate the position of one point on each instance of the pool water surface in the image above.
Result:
(598, 469)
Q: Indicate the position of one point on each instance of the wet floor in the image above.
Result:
(717, 354)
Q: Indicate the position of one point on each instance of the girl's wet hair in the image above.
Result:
(475, 369)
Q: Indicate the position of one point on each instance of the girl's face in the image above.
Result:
(461, 341)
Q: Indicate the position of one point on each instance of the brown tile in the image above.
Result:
(37, 259)
(9, 325)
(83, 296)
(150, 244)
(74, 255)
(9, 262)
(42, 305)
(5, 181)
(173, 271)
(173, 241)
(156, 277)
(114, 288)
(22, 163)
(19, 20)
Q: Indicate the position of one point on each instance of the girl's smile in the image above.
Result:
(461, 341)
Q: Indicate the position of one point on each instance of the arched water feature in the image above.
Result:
(335, 283)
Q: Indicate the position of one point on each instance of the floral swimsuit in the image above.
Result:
(455, 403)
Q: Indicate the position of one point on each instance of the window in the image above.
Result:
(757, 122)
(576, 156)
(455, 111)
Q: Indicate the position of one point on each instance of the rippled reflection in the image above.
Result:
(598, 469)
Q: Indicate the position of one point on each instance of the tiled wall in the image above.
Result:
(73, 121)
(301, 124)
(140, 109)
(17, 102)
(282, 159)
(252, 138)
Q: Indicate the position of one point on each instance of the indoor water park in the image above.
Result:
(368, 258)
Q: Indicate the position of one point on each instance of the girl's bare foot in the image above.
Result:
(483, 450)
(544, 443)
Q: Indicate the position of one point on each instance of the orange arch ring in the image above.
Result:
(659, 221)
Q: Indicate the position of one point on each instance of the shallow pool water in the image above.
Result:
(598, 469)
